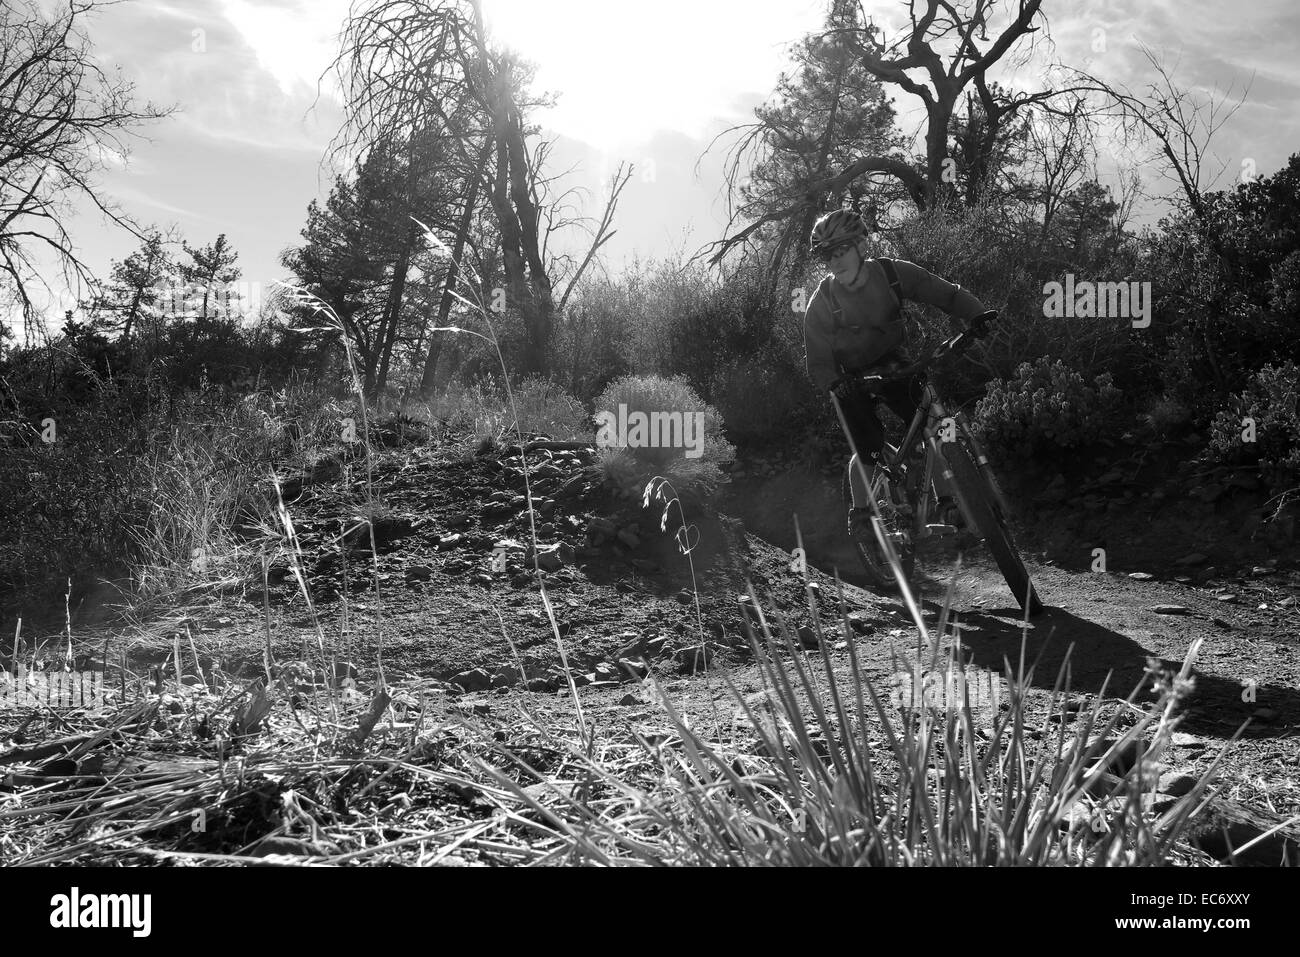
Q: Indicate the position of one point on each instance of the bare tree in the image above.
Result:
(61, 116)
(962, 32)
(419, 68)
(1181, 126)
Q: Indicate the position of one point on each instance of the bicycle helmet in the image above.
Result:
(836, 227)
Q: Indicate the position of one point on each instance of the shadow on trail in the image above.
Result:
(1097, 657)
(991, 637)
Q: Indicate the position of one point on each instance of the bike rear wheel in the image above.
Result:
(982, 513)
(891, 498)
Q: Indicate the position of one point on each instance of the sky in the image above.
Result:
(651, 83)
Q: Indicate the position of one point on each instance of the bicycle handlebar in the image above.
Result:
(958, 344)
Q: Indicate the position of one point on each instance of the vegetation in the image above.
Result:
(147, 442)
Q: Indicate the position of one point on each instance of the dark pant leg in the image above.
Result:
(864, 422)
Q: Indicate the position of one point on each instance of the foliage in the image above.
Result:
(1048, 407)
(1226, 304)
(1272, 402)
(683, 441)
(545, 407)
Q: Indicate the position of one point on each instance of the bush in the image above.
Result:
(1272, 401)
(1166, 417)
(1047, 407)
(767, 397)
(1006, 265)
(545, 407)
(650, 425)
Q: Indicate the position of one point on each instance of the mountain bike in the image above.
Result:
(938, 459)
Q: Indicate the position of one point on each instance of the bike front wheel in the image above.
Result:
(983, 514)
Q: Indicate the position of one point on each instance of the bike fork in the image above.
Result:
(982, 461)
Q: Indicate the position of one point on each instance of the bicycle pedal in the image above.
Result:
(938, 531)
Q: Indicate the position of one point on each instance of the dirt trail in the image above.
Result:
(455, 605)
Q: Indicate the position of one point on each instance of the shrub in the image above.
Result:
(544, 406)
(1272, 401)
(767, 397)
(1166, 416)
(650, 425)
(1047, 407)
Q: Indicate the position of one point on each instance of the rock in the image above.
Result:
(418, 573)
(1225, 596)
(808, 637)
(1195, 558)
(1176, 784)
(695, 658)
(542, 684)
(606, 672)
(548, 559)
(448, 542)
(634, 667)
(1141, 576)
(1190, 742)
(1110, 478)
(1171, 609)
(629, 699)
(476, 679)
(1260, 571)
(685, 597)
(859, 624)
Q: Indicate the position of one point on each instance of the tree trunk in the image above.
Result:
(539, 308)
(393, 312)
(393, 309)
(453, 271)
(131, 314)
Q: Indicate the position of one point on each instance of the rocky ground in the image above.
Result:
(458, 609)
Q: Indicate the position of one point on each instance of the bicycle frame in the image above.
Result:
(929, 410)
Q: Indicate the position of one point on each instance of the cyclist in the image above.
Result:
(854, 325)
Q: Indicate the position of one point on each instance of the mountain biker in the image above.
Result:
(854, 325)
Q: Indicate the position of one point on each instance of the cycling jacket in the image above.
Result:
(852, 331)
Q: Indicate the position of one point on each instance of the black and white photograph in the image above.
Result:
(515, 434)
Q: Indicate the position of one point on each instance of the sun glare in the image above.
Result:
(626, 70)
